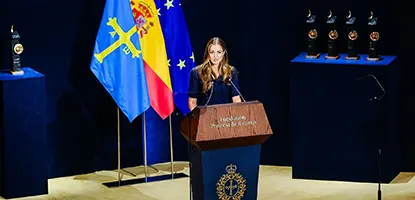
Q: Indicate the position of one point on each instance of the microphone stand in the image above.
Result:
(190, 116)
(229, 80)
(380, 140)
(189, 144)
(379, 174)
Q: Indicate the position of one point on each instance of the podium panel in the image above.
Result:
(342, 113)
(23, 152)
(226, 144)
(222, 173)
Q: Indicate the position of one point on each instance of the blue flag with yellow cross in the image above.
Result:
(117, 62)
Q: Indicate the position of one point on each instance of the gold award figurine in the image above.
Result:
(312, 51)
(17, 49)
(352, 37)
(332, 52)
(373, 39)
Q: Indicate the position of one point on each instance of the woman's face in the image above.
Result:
(216, 54)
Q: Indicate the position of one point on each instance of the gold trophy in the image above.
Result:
(352, 36)
(373, 39)
(332, 51)
(312, 51)
(17, 49)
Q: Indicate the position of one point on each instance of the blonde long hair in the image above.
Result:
(205, 69)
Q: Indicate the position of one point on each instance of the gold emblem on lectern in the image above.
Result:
(232, 185)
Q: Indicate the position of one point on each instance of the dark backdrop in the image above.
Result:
(262, 37)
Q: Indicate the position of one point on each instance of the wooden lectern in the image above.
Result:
(226, 146)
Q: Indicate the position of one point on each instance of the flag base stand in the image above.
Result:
(145, 180)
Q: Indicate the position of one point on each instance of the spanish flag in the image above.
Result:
(154, 56)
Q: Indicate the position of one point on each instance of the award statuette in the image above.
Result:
(17, 49)
(332, 52)
(374, 37)
(312, 36)
(352, 37)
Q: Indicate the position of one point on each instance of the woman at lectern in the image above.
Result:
(215, 81)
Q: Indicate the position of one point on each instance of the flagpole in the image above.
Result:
(119, 144)
(171, 148)
(145, 144)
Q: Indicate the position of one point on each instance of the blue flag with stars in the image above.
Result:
(117, 61)
(179, 49)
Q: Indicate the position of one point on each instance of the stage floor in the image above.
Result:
(275, 183)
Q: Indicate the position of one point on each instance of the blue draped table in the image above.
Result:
(23, 152)
(340, 118)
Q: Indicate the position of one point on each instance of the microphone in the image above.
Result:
(378, 83)
(229, 80)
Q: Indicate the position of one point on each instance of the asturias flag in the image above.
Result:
(179, 49)
(118, 62)
(154, 55)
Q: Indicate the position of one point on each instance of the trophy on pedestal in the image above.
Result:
(352, 36)
(374, 37)
(17, 49)
(332, 51)
(312, 51)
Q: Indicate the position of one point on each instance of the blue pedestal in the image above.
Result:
(338, 121)
(229, 172)
(23, 156)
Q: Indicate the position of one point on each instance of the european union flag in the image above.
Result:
(117, 60)
(179, 50)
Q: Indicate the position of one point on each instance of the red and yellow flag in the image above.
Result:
(154, 56)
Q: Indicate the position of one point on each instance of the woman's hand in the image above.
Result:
(236, 99)
(192, 103)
